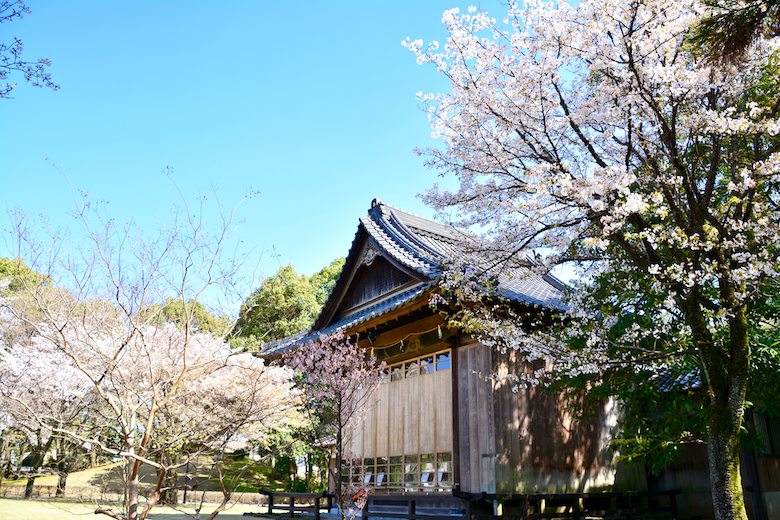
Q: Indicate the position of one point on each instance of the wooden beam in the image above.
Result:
(393, 336)
(392, 315)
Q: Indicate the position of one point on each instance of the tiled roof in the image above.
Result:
(398, 300)
(422, 246)
(668, 379)
(524, 286)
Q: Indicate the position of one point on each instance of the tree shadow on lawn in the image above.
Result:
(56, 509)
(258, 476)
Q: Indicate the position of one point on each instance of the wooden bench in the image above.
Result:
(316, 499)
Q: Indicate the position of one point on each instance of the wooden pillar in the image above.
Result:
(455, 345)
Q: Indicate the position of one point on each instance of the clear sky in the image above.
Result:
(310, 103)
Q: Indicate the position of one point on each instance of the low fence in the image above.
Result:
(90, 493)
(82, 493)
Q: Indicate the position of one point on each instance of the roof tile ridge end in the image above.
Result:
(412, 236)
(400, 239)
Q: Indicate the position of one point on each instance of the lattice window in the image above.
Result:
(422, 365)
(404, 473)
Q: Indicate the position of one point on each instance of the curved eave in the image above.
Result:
(409, 299)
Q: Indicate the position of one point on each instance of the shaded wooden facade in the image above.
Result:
(499, 440)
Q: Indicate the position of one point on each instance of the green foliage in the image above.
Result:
(285, 303)
(284, 464)
(296, 485)
(725, 35)
(662, 411)
(656, 421)
(192, 314)
(764, 319)
(325, 278)
(19, 274)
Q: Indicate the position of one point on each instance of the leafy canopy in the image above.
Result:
(16, 273)
(285, 303)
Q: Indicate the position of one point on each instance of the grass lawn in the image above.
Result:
(19, 509)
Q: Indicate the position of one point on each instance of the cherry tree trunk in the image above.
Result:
(309, 473)
(726, 374)
(132, 496)
(726, 370)
(61, 483)
(38, 459)
(725, 479)
(28, 490)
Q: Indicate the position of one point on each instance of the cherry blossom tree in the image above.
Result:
(592, 133)
(11, 61)
(336, 381)
(159, 392)
(33, 381)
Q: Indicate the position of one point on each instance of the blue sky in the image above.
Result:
(310, 103)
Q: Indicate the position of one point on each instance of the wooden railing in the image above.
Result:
(629, 505)
(413, 507)
(314, 502)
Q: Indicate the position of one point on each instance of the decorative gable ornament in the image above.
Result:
(368, 256)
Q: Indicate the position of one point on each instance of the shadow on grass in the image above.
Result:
(57, 509)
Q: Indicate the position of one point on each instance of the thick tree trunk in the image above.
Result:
(725, 479)
(726, 414)
(726, 373)
(132, 494)
(38, 460)
(131, 490)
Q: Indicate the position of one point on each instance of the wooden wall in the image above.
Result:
(507, 441)
(409, 416)
(476, 420)
(524, 441)
(769, 469)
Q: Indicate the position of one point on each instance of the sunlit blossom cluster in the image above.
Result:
(585, 131)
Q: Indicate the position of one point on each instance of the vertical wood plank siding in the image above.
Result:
(477, 437)
(410, 416)
(523, 441)
(508, 442)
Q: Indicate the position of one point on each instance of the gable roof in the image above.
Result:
(417, 247)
